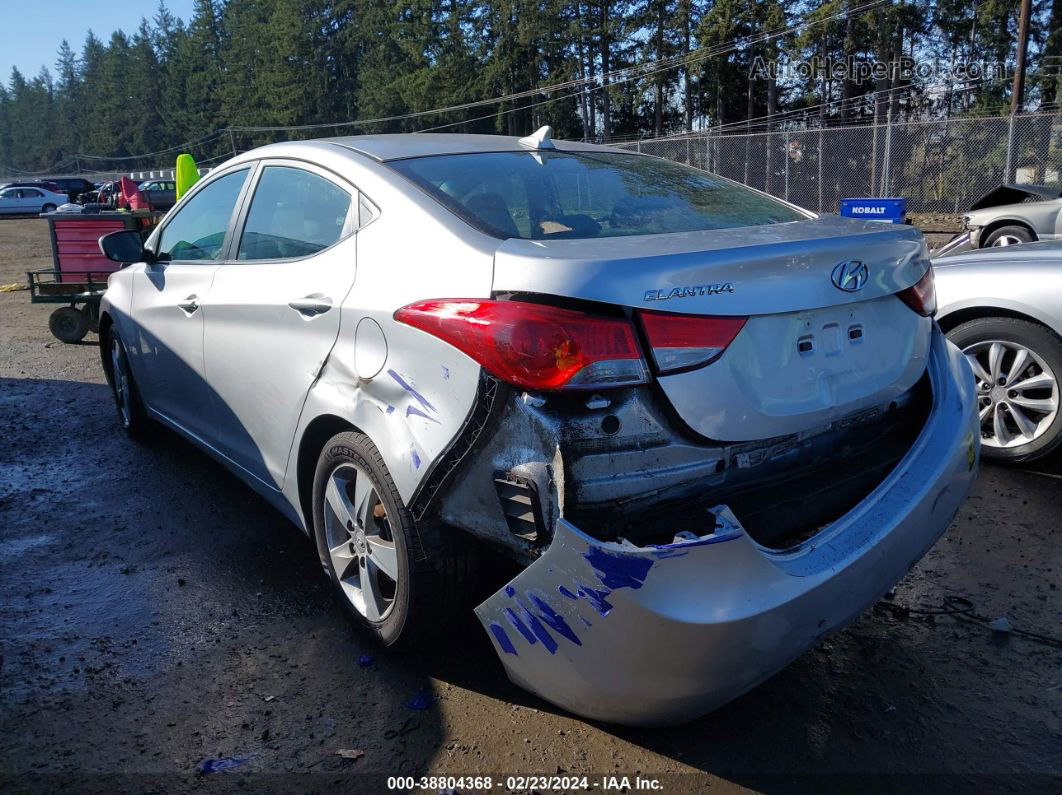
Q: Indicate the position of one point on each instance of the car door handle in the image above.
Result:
(189, 304)
(311, 305)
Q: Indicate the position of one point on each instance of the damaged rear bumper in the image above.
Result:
(659, 635)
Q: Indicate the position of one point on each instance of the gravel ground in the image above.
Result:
(156, 613)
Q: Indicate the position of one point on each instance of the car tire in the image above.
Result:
(1012, 235)
(432, 563)
(48, 208)
(1000, 402)
(68, 324)
(132, 417)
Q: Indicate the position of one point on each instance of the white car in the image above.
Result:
(23, 201)
(711, 426)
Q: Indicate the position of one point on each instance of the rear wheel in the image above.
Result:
(400, 582)
(48, 208)
(68, 324)
(1017, 366)
(1012, 235)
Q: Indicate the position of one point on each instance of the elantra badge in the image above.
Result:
(688, 292)
(850, 275)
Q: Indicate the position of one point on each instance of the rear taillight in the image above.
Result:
(682, 342)
(921, 297)
(534, 346)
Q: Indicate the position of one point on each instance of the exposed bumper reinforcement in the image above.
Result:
(659, 635)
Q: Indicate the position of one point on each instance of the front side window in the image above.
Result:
(294, 213)
(553, 195)
(197, 231)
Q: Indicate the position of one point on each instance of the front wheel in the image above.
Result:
(131, 414)
(1017, 366)
(398, 581)
(1012, 235)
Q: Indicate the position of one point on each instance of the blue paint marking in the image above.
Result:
(413, 410)
(596, 598)
(217, 765)
(520, 626)
(554, 619)
(502, 638)
(416, 395)
(670, 550)
(616, 570)
(390, 409)
(421, 701)
(415, 458)
(586, 623)
(670, 553)
(445, 372)
(540, 632)
(509, 590)
(366, 660)
(565, 592)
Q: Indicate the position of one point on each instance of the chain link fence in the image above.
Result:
(938, 166)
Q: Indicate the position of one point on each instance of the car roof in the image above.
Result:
(397, 146)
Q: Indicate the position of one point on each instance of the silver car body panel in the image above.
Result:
(780, 274)
(659, 635)
(1025, 279)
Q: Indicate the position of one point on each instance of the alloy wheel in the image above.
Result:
(1017, 394)
(120, 374)
(360, 542)
(1007, 240)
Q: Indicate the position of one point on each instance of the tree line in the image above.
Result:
(626, 68)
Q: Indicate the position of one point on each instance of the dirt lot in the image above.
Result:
(155, 613)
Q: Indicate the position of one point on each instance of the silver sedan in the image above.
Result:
(1003, 307)
(710, 426)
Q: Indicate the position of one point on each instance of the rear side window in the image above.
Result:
(546, 195)
(197, 231)
(294, 213)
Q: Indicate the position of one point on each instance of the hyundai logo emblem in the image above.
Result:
(850, 275)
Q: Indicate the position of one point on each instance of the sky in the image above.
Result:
(30, 32)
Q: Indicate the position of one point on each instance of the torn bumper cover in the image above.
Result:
(661, 634)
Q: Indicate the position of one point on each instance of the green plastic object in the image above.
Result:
(186, 174)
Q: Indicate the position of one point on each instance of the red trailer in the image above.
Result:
(79, 271)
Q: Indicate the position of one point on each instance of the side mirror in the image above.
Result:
(125, 246)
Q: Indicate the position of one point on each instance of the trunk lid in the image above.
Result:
(810, 352)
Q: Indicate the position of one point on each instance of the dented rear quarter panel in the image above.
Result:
(416, 402)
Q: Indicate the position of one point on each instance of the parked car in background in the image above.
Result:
(711, 426)
(42, 184)
(1003, 308)
(1015, 214)
(160, 193)
(22, 201)
(73, 187)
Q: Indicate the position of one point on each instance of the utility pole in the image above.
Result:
(1017, 95)
(1018, 90)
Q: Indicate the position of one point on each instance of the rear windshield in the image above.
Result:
(540, 195)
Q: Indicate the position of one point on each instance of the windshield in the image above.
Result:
(550, 195)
